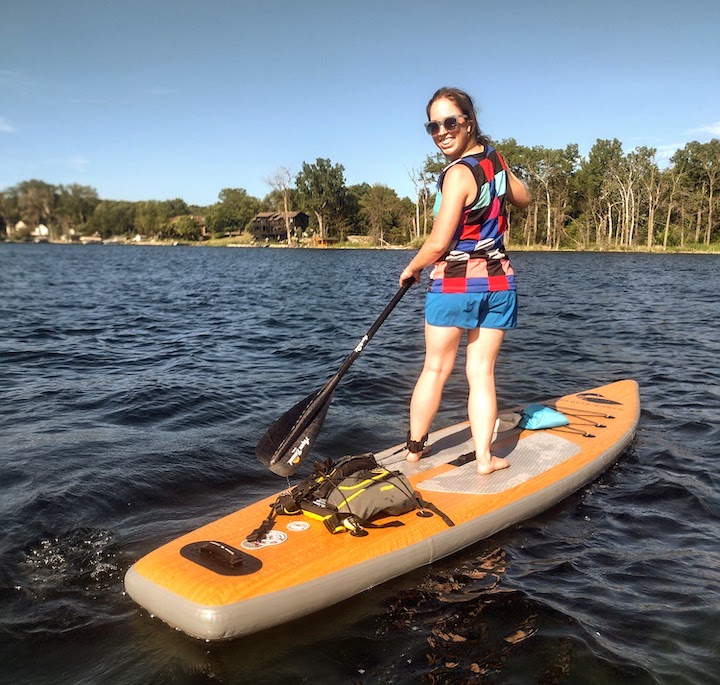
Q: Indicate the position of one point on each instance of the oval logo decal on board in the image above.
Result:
(298, 525)
(274, 537)
(595, 397)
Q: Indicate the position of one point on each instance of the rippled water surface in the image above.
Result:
(136, 381)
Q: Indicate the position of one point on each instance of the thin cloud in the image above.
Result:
(6, 126)
(77, 163)
(712, 129)
(663, 151)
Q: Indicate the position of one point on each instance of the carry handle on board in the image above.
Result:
(288, 441)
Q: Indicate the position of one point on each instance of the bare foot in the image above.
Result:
(486, 467)
(417, 456)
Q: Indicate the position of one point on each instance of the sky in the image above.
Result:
(164, 99)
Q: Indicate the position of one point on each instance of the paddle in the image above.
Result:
(288, 440)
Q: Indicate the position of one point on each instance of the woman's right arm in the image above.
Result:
(459, 187)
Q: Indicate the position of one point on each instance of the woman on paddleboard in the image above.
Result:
(472, 285)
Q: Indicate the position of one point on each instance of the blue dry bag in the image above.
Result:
(537, 416)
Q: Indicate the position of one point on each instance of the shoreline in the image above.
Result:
(706, 249)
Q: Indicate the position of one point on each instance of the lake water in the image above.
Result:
(135, 382)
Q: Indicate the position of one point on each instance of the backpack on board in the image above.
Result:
(350, 495)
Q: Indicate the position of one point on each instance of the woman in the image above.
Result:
(472, 286)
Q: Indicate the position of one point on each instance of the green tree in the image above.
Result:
(321, 187)
(644, 161)
(353, 198)
(75, 205)
(403, 229)
(9, 211)
(175, 207)
(353, 203)
(552, 171)
(36, 203)
(152, 217)
(112, 218)
(703, 168)
(149, 217)
(184, 227)
(674, 181)
(434, 164)
(598, 197)
(234, 212)
(380, 207)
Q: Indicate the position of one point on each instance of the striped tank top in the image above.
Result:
(476, 261)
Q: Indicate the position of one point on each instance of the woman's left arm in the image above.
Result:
(517, 193)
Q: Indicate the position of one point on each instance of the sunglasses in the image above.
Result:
(449, 124)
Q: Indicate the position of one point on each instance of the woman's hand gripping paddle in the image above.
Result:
(288, 441)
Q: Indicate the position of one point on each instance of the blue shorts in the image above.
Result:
(472, 310)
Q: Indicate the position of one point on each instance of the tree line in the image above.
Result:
(615, 200)
(609, 199)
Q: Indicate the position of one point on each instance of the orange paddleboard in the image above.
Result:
(300, 567)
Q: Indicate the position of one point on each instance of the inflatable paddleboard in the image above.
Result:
(214, 584)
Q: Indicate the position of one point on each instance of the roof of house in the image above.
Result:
(272, 215)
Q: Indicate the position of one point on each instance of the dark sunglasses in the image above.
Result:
(449, 124)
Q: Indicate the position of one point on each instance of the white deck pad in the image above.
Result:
(446, 445)
(528, 458)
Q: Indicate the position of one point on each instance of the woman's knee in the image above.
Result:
(479, 373)
(438, 372)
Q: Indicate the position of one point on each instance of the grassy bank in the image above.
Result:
(246, 240)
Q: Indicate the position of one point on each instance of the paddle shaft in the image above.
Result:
(368, 336)
(318, 405)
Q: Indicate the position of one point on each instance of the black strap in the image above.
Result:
(266, 526)
(387, 524)
(424, 504)
(336, 523)
(416, 446)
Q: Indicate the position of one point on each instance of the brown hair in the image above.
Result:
(466, 105)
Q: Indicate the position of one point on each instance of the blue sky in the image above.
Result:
(181, 98)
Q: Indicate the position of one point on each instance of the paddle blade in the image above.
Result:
(288, 441)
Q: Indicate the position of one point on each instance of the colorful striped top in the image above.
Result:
(476, 261)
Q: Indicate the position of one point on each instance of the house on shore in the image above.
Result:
(271, 225)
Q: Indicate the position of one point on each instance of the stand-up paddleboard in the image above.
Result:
(193, 583)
